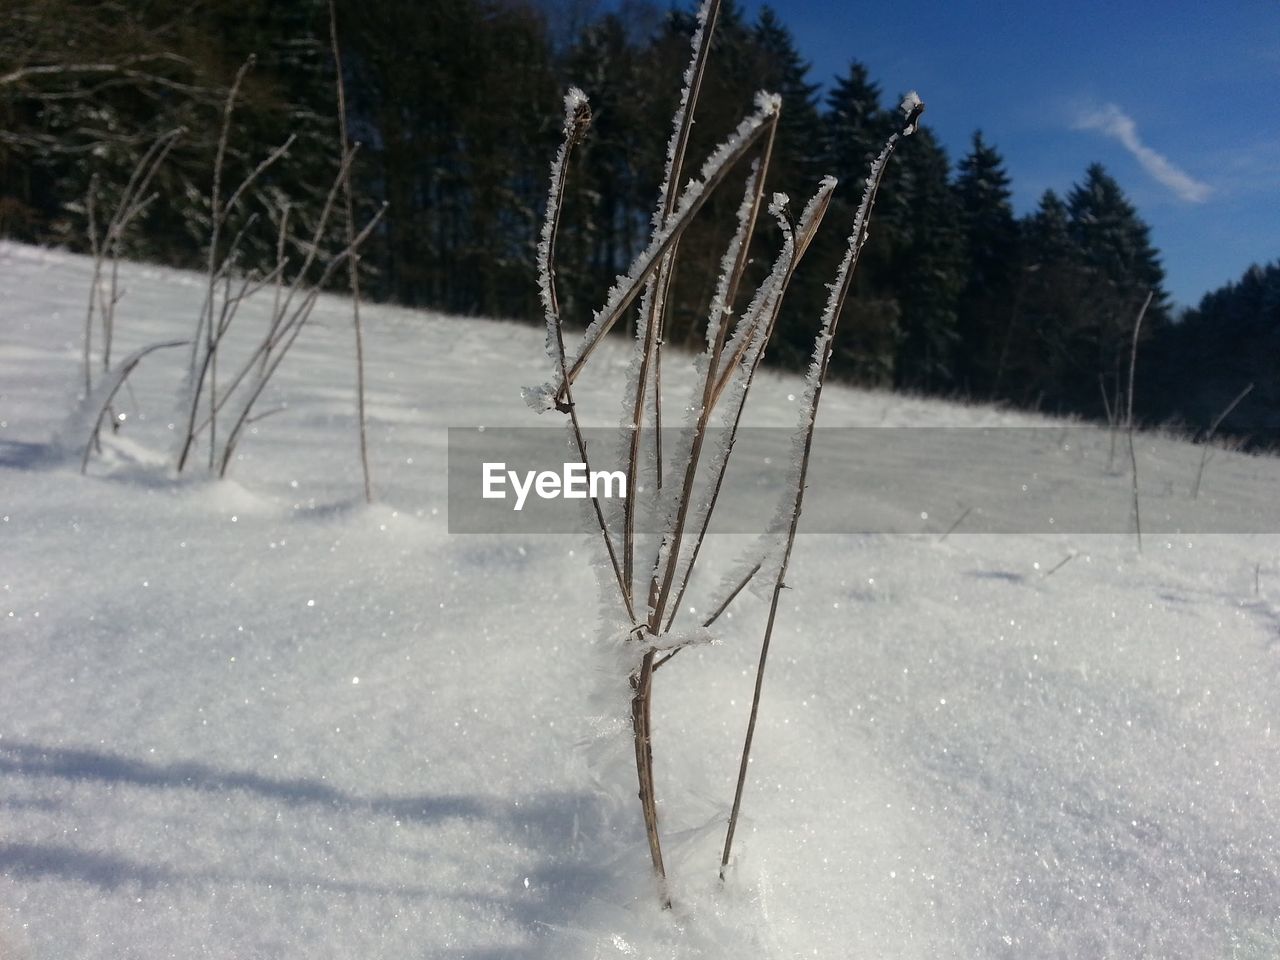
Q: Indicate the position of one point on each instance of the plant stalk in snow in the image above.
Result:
(1133, 453)
(353, 263)
(733, 354)
(823, 346)
(1208, 437)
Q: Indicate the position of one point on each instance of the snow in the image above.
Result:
(957, 755)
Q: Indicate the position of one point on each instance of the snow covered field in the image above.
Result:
(258, 719)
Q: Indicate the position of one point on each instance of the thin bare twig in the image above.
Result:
(576, 120)
(695, 197)
(824, 346)
(131, 204)
(1208, 437)
(724, 605)
(120, 375)
(288, 332)
(959, 520)
(1059, 565)
(759, 324)
(95, 248)
(353, 264)
(1133, 455)
(648, 344)
(198, 366)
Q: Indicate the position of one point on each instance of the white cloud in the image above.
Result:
(1115, 123)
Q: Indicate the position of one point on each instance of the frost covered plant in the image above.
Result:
(217, 405)
(207, 402)
(106, 246)
(106, 243)
(646, 581)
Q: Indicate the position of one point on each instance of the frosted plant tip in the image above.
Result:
(778, 203)
(577, 116)
(912, 106)
(767, 102)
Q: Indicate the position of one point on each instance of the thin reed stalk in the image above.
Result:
(823, 347)
(353, 263)
(1207, 439)
(1133, 454)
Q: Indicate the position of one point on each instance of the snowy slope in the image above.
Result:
(257, 718)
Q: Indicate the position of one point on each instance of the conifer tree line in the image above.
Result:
(456, 105)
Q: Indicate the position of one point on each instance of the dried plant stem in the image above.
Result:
(217, 215)
(654, 304)
(288, 330)
(1059, 565)
(733, 595)
(666, 270)
(287, 319)
(120, 375)
(1208, 437)
(131, 204)
(95, 248)
(959, 520)
(755, 330)
(729, 363)
(622, 298)
(1111, 418)
(1133, 455)
(797, 245)
(577, 119)
(212, 323)
(642, 729)
(204, 324)
(718, 328)
(658, 288)
(718, 332)
(353, 264)
(728, 369)
(823, 348)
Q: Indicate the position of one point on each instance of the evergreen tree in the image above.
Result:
(796, 166)
(1035, 367)
(855, 129)
(456, 150)
(609, 198)
(928, 270)
(89, 86)
(1122, 267)
(1230, 340)
(952, 292)
(985, 307)
(734, 73)
(798, 160)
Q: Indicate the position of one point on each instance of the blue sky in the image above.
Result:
(1180, 101)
